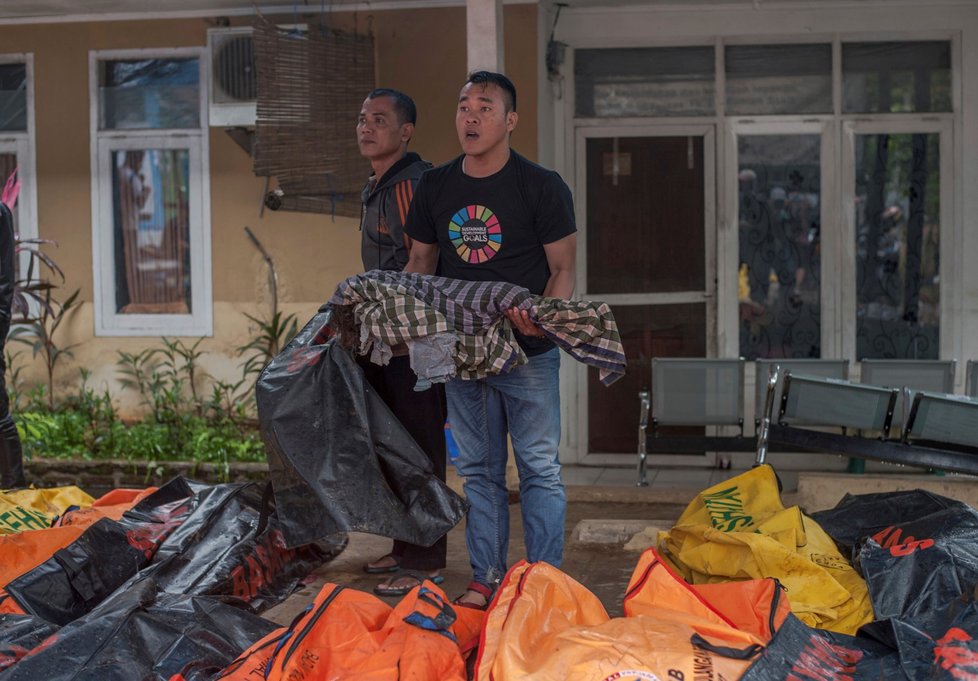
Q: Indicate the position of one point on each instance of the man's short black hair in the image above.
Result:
(504, 83)
(404, 106)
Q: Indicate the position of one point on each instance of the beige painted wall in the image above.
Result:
(419, 51)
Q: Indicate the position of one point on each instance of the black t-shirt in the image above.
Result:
(493, 228)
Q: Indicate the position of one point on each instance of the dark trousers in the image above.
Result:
(11, 456)
(423, 415)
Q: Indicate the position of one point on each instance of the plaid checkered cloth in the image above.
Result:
(395, 307)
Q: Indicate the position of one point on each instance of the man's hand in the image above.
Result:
(521, 322)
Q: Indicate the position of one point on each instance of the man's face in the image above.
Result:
(379, 132)
(481, 120)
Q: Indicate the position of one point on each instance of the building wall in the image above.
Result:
(419, 51)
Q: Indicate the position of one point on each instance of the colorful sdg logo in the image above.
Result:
(475, 233)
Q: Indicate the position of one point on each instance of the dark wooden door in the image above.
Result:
(646, 254)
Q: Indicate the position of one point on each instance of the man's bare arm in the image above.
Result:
(423, 258)
(562, 260)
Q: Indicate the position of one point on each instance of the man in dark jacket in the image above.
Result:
(11, 458)
(384, 128)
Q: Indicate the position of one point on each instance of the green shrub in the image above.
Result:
(179, 426)
(70, 434)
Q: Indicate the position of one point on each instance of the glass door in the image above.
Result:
(781, 202)
(899, 223)
(780, 247)
(646, 210)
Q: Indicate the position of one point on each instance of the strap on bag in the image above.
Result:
(81, 580)
(441, 622)
(726, 651)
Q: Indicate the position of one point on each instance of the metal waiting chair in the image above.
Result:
(816, 401)
(941, 431)
(908, 375)
(943, 420)
(827, 368)
(692, 392)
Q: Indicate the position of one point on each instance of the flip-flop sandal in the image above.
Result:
(384, 588)
(384, 569)
(480, 589)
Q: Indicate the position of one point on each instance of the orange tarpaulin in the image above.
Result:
(349, 634)
(111, 505)
(545, 626)
(758, 606)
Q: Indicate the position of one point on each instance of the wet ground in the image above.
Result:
(604, 568)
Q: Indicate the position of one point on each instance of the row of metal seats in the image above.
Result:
(710, 392)
(939, 431)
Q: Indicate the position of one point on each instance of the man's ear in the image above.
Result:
(511, 119)
(407, 132)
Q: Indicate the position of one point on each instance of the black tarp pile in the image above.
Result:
(338, 459)
(919, 555)
(172, 587)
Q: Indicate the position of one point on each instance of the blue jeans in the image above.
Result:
(526, 403)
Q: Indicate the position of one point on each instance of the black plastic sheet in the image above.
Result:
(230, 544)
(338, 458)
(19, 634)
(190, 539)
(108, 553)
(79, 576)
(802, 653)
(941, 646)
(918, 552)
(145, 635)
(918, 567)
(858, 516)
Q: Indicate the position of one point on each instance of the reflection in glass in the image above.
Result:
(13, 97)
(778, 79)
(152, 231)
(779, 216)
(645, 215)
(896, 77)
(657, 81)
(149, 94)
(897, 246)
(647, 331)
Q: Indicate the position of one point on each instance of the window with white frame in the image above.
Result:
(17, 179)
(151, 237)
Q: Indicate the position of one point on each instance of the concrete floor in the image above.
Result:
(609, 493)
(603, 568)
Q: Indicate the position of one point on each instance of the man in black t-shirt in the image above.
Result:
(492, 215)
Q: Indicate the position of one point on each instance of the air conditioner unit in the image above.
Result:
(234, 77)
